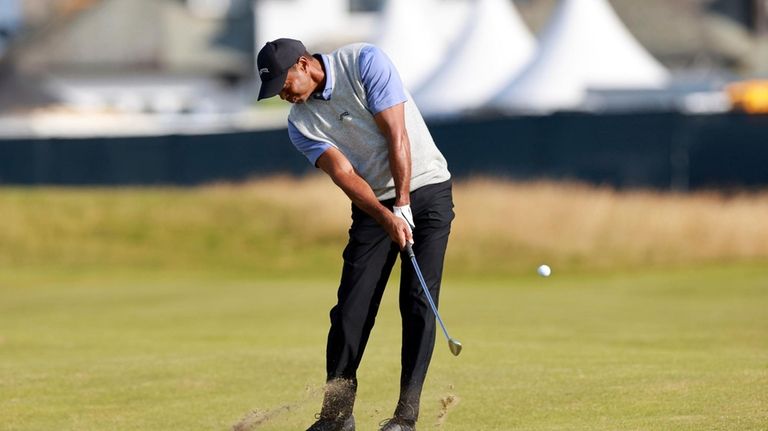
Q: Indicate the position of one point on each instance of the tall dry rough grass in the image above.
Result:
(289, 224)
(599, 226)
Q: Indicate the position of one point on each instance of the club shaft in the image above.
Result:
(429, 297)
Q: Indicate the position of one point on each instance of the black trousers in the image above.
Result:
(368, 260)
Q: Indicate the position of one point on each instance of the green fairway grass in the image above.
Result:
(206, 308)
(138, 349)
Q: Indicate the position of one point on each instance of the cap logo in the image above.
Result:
(263, 70)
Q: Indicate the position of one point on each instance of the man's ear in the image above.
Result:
(302, 64)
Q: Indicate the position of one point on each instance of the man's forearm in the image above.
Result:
(391, 123)
(400, 166)
(361, 194)
(333, 163)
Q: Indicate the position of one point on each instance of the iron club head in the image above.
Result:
(455, 346)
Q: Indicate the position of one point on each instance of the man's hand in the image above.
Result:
(399, 230)
(404, 213)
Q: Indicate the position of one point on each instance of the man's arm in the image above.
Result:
(337, 166)
(391, 123)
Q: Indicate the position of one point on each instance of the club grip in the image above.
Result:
(409, 250)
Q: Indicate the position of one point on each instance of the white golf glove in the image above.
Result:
(404, 212)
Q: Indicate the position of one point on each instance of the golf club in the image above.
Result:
(453, 344)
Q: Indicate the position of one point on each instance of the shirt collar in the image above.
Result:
(329, 78)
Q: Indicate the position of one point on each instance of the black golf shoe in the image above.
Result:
(397, 424)
(325, 424)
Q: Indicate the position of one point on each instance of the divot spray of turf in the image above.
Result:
(447, 403)
(257, 418)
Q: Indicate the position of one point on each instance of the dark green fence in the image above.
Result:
(662, 150)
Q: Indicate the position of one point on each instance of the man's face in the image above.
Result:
(298, 85)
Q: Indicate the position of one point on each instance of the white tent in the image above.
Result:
(493, 48)
(311, 21)
(411, 38)
(585, 46)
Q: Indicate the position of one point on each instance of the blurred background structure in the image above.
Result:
(84, 60)
(180, 74)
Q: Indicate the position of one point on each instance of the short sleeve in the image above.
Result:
(311, 149)
(383, 87)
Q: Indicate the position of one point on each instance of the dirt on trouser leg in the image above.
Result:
(339, 399)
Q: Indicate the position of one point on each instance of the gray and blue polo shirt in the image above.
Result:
(361, 82)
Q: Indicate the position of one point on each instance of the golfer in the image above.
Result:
(352, 118)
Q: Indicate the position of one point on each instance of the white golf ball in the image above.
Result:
(544, 271)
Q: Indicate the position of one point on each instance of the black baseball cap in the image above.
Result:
(273, 62)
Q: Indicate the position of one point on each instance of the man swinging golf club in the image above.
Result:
(352, 118)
